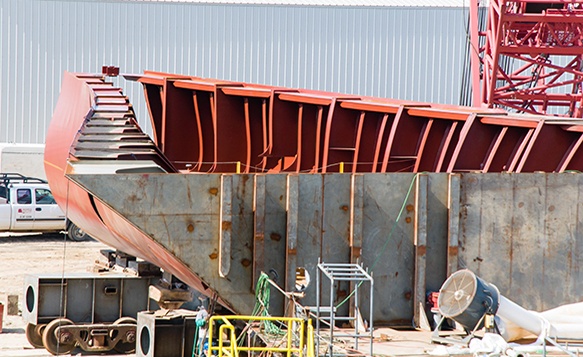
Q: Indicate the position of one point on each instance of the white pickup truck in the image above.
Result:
(27, 205)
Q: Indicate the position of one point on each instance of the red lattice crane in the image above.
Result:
(529, 59)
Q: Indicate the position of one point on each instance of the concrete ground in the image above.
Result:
(22, 254)
(391, 342)
(34, 254)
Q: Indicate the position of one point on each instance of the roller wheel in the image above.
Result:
(125, 347)
(51, 340)
(34, 335)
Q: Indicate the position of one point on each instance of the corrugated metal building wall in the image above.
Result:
(414, 53)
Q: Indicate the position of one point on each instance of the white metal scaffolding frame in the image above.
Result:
(350, 272)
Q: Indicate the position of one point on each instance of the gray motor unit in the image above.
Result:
(466, 298)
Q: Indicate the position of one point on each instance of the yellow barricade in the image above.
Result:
(227, 338)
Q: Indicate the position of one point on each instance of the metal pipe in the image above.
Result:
(357, 311)
(541, 324)
(332, 315)
(520, 316)
(318, 272)
(371, 313)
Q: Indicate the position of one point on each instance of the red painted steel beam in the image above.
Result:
(226, 123)
(423, 137)
(358, 134)
(547, 150)
(207, 125)
(515, 144)
(491, 144)
(301, 125)
(254, 103)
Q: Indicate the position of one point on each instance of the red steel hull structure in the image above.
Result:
(94, 121)
(150, 199)
(529, 59)
(204, 125)
(210, 126)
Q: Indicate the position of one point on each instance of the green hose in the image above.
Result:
(262, 296)
(195, 342)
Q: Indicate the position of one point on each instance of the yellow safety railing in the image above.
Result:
(227, 347)
(310, 343)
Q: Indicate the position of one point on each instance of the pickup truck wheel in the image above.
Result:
(34, 335)
(76, 234)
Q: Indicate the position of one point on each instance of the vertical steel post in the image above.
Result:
(370, 313)
(331, 316)
(356, 311)
(318, 272)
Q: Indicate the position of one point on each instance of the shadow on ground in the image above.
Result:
(6, 237)
(12, 330)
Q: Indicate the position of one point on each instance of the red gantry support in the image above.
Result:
(529, 59)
